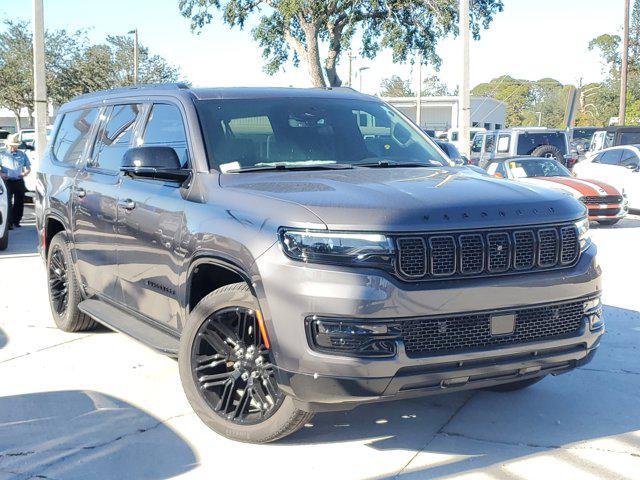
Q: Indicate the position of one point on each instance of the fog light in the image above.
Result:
(352, 338)
(593, 309)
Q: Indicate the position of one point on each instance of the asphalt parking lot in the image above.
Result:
(100, 406)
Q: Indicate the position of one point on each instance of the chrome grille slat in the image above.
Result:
(608, 199)
(524, 249)
(548, 242)
(487, 252)
(442, 258)
(412, 260)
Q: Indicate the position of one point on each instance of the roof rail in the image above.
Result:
(133, 88)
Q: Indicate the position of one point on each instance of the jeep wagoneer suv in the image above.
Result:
(296, 259)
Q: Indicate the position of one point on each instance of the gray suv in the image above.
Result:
(305, 250)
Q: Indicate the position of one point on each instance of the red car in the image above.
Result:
(606, 204)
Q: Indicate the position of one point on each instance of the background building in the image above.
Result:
(441, 113)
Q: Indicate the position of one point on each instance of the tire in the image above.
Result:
(514, 386)
(67, 317)
(4, 240)
(608, 222)
(219, 310)
(549, 151)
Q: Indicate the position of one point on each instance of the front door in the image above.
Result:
(150, 220)
(95, 197)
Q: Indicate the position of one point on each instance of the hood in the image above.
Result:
(578, 187)
(409, 199)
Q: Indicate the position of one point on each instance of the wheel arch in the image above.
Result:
(52, 225)
(208, 272)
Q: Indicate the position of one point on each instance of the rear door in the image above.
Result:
(150, 220)
(95, 199)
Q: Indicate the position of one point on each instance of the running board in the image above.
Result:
(117, 319)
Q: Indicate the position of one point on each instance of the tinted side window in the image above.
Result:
(611, 157)
(528, 142)
(628, 138)
(476, 146)
(165, 128)
(115, 137)
(629, 157)
(73, 135)
(490, 143)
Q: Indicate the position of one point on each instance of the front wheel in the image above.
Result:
(4, 239)
(227, 372)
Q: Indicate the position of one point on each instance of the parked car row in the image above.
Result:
(538, 142)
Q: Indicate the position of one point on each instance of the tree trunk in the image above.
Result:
(331, 62)
(313, 56)
(17, 119)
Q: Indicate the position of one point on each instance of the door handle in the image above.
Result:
(81, 192)
(127, 204)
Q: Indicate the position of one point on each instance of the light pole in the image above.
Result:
(464, 103)
(360, 70)
(419, 92)
(39, 82)
(135, 54)
(539, 118)
(622, 111)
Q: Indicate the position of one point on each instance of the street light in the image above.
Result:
(539, 118)
(360, 70)
(135, 54)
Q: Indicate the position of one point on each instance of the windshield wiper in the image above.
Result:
(263, 168)
(394, 164)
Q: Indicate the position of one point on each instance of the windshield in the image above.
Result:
(543, 167)
(310, 132)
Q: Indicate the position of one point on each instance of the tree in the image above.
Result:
(396, 87)
(432, 86)
(297, 30)
(73, 66)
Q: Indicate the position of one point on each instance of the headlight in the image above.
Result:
(362, 249)
(584, 235)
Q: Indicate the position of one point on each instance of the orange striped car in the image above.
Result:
(606, 204)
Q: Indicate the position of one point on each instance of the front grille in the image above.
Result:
(482, 253)
(602, 200)
(454, 334)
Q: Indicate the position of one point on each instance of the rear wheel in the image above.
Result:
(514, 386)
(227, 372)
(64, 290)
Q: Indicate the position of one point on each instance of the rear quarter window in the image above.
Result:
(73, 135)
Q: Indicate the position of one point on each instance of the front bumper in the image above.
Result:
(608, 211)
(289, 292)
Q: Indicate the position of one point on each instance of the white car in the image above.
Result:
(617, 166)
(4, 216)
(453, 135)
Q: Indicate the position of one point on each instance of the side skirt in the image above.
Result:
(156, 337)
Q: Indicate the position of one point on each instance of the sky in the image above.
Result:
(530, 39)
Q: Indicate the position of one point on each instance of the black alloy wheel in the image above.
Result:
(232, 369)
(58, 281)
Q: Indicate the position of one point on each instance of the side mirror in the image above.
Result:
(632, 166)
(465, 159)
(160, 163)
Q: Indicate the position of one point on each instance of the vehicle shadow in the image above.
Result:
(22, 241)
(484, 429)
(87, 434)
(3, 338)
